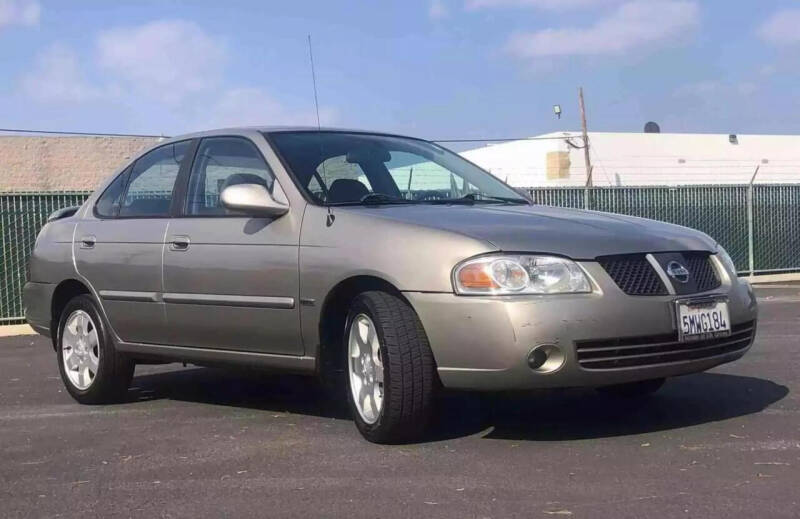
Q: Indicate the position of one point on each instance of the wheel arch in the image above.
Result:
(333, 314)
(63, 293)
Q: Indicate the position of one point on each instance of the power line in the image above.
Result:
(105, 134)
(90, 134)
(102, 134)
(547, 138)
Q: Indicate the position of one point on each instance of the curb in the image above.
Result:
(17, 329)
(772, 278)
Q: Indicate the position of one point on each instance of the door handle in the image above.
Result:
(87, 242)
(179, 243)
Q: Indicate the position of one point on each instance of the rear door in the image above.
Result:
(231, 281)
(118, 247)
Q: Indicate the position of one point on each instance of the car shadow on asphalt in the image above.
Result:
(545, 415)
(576, 414)
(248, 389)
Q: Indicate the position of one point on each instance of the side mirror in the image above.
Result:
(253, 200)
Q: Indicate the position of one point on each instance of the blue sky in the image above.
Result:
(432, 68)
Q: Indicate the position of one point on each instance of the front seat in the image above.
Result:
(346, 190)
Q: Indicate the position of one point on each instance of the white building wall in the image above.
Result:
(646, 159)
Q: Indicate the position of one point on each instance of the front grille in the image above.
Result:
(633, 274)
(703, 273)
(655, 350)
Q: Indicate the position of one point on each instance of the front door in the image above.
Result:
(231, 281)
(118, 248)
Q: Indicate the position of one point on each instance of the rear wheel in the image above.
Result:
(90, 367)
(391, 373)
(638, 389)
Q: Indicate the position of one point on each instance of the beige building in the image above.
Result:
(63, 163)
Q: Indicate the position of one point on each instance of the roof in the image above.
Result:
(274, 129)
(56, 162)
(643, 159)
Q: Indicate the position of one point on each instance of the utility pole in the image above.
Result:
(750, 255)
(586, 158)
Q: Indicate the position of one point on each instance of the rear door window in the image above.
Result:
(152, 181)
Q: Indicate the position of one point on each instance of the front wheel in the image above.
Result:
(391, 371)
(90, 367)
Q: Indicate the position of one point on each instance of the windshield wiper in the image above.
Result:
(507, 199)
(471, 198)
(377, 199)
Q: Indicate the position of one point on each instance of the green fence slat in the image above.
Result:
(718, 210)
(22, 215)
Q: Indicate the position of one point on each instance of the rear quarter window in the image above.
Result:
(108, 204)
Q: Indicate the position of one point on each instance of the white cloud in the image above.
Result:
(249, 106)
(158, 76)
(634, 25)
(19, 12)
(781, 28)
(768, 70)
(538, 4)
(747, 88)
(58, 77)
(699, 88)
(438, 10)
(166, 59)
(712, 89)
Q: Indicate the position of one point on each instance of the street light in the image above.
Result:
(557, 110)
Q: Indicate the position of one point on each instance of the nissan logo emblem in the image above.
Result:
(677, 272)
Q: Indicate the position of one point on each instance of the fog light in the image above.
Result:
(545, 358)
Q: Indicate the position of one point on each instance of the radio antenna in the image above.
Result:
(330, 217)
(314, 80)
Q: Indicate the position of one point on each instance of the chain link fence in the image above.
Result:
(758, 224)
(21, 217)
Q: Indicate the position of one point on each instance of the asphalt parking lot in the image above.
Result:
(197, 442)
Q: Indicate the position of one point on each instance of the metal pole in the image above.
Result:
(750, 254)
(586, 189)
(586, 159)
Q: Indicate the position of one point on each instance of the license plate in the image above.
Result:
(699, 320)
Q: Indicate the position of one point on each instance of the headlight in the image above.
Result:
(726, 260)
(506, 275)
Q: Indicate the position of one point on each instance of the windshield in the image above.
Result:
(337, 168)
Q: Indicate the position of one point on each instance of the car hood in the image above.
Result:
(542, 229)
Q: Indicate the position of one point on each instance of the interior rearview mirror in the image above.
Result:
(253, 200)
(368, 155)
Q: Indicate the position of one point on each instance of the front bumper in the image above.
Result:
(483, 343)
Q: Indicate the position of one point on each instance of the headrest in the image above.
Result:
(346, 190)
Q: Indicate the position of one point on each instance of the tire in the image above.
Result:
(401, 357)
(113, 371)
(640, 389)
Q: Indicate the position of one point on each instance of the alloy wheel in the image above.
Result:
(366, 368)
(81, 349)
